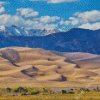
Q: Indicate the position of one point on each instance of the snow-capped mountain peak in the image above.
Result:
(21, 31)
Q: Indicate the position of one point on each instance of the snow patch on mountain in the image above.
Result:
(21, 31)
(17, 31)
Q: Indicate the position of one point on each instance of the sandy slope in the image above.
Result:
(38, 65)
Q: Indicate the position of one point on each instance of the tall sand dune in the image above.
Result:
(27, 65)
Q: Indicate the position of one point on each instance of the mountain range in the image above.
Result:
(74, 40)
(20, 31)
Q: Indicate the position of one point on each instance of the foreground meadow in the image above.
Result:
(20, 93)
(85, 96)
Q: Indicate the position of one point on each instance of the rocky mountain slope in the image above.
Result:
(74, 40)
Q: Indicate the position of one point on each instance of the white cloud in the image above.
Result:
(56, 1)
(2, 10)
(3, 3)
(4, 18)
(62, 22)
(26, 17)
(83, 18)
(48, 26)
(91, 16)
(9, 20)
(48, 22)
(48, 19)
(27, 12)
(94, 26)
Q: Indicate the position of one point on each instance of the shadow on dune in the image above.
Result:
(63, 78)
(77, 66)
(31, 72)
(14, 64)
(69, 61)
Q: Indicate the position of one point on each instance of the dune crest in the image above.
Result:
(38, 65)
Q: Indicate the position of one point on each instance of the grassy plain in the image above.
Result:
(85, 96)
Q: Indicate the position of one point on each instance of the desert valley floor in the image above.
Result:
(40, 68)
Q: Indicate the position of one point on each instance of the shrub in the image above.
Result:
(71, 89)
(15, 89)
(34, 92)
(83, 89)
(97, 88)
(29, 89)
(70, 92)
(20, 89)
(63, 91)
(87, 90)
(49, 59)
(23, 94)
(49, 91)
(8, 89)
(45, 90)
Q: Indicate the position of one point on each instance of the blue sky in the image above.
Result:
(49, 14)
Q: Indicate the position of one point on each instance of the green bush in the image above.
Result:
(70, 92)
(34, 92)
(20, 89)
(97, 88)
(23, 94)
(71, 89)
(87, 90)
(45, 89)
(49, 91)
(83, 89)
(15, 89)
(29, 89)
(8, 89)
(63, 91)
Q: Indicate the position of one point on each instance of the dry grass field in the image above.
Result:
(41, 68)
(86, 96)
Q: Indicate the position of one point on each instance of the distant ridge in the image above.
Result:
(74, 40)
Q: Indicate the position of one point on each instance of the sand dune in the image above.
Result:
(38, 65)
